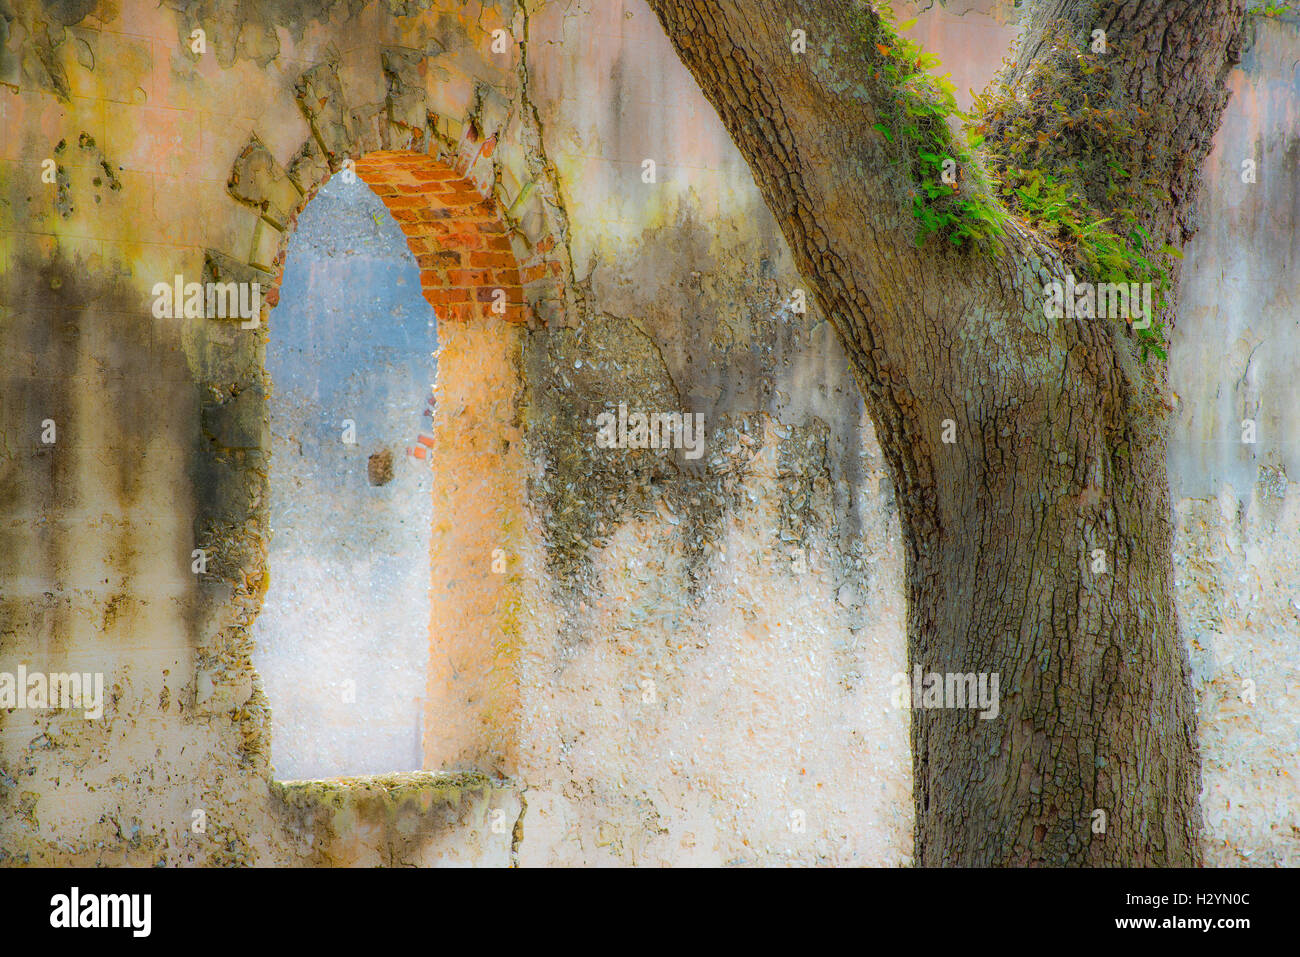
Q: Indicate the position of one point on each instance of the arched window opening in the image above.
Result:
(342, 642)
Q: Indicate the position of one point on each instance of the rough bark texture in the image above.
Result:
(1060, 428)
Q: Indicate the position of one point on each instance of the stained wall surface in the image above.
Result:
(659, 659)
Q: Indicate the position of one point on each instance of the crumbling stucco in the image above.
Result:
(681, 658)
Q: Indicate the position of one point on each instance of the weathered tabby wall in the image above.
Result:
(686, 660)
(697, 645)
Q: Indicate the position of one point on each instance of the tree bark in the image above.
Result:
(1058, 463)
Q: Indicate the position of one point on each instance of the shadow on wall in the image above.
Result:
(342, 640)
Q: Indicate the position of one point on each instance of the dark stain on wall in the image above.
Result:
(68, 12)
(83, 343)
(237, 31)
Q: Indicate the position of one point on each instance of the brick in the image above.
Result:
(392, 185)
(488, 293)
(445, 296)
(408, 159)
(434, 175)
(440, 260)
(467, 239)
(469, 277)
(430, 232)
(464, 195)
(479, 258)
(388, 157)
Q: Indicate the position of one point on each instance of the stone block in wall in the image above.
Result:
(308, 168)
(62, 128)
(510, 183)
(320, 93)
(266, 244)
(361, 81)
(219, 267)
(396, 136)
(448, 91)
(30, 609)
(117, 346)
(231, 229)
(407, 101)
(528, 213)
(491, 110)
(482, 172)
(451, 131)
(513, 161)
(259, 181)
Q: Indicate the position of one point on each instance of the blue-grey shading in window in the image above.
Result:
(342, 641)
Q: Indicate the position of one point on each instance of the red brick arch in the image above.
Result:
(457, 235)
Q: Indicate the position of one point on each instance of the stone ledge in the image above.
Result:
(409, 819)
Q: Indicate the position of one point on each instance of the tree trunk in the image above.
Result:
(1046, 561)
(1027, 453)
